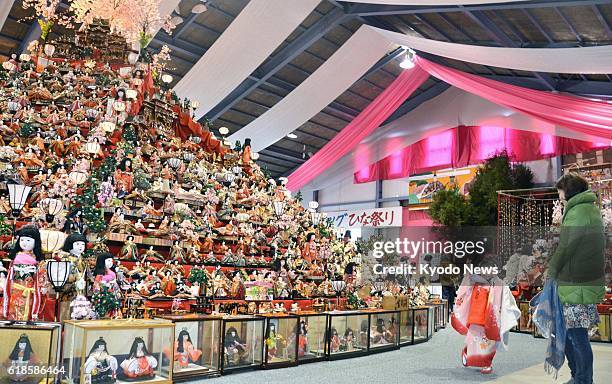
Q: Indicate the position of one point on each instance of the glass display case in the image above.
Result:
(118, 351)
(243, 342)
(421, 324)
(312, 328)
(196, 346)
(280, 346)
(431, 322)
(406, 327)
(525, 325)
(348, 334)
(29, 352)
(384, 332)
(441, 314)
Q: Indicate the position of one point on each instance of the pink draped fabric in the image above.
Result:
(580, 115)
(574, 113)
(463, 146)
(365, 123)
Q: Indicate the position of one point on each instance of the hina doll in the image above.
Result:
(235, 349)
(348, 342)
(129, 251)
(309, 250)
(152, 255)
(140, 364)
(21, 357)
(26, 282)
(302, 338)
(184, 350)
(74, 247)
(485, 312)
(274, 341)
(105, 277)
(101, 365)
(334, 343)
(379, 334)
(124, 178)
(177, 253)
(107, 191)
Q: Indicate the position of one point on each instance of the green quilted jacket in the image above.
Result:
(578, 262)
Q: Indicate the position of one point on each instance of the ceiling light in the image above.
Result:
(199, 8)
(292, 136)
(407, 63)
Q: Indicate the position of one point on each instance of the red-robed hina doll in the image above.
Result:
(26, 282)
(485, 312)
(140, 364)
(309, 250)
(184, 350)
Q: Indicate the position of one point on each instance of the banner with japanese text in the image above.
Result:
(377, 217)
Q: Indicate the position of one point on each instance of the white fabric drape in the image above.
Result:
(5, 9)
(452, 108)
(351, 61)
(587, 60)
(249, 40)
(431, 2)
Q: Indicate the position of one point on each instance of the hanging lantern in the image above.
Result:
(51, 207)
(313, 205)
(338, 285)
(254, 155)
(24, 57)
(58, 272)
(279, 207)
(379, 285)
(77, 177)
(131, 94)
(174, 163)
(13, 106)
(92, 147)
(188, 156)
(18, 195)
(51, 240)
(166, 79)
(195, 139)
(119, 106)
(9, 66)
(223, 131)
(91, 114)
(49, 50)
(108, 126)
(229, 178)
(315, 217)
(237, 170)
(133, 57)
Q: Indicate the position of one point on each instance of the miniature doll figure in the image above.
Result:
(228, 258)
(303, 347)
(124, 178)
(348, 342)
(168, 285)
(309, 250)
(236, 351)
(152, 255)
(334, 341)
(379, 334)
(129, 251)
(26, 282)
(169, 203)
(149, 210)
(211, 259)
(184, 350)
(237, 288)
(100, 364)
(139, 363)
(140, 226)
(20, 358)
(177, 253)
(74, 246)
(107, 191)
(274, 342)
(103, 272)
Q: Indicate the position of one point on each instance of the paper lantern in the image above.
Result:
(51, 240)
(223, 131)
(174, 163)
(91, 114)
(24, 57)
(131, 94)
(13, 106)
(313, 205)
(92, 147)
(51, 206)
(58, 272)
(119, 106)
(9, 66)
(108, 126)
(195, 139)
(18, 195)
(166, 78)
(49, 49)
(77, 177)
(254, 155)
(188, 156)
(279, 207)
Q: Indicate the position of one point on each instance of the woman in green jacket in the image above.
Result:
(578, 267)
